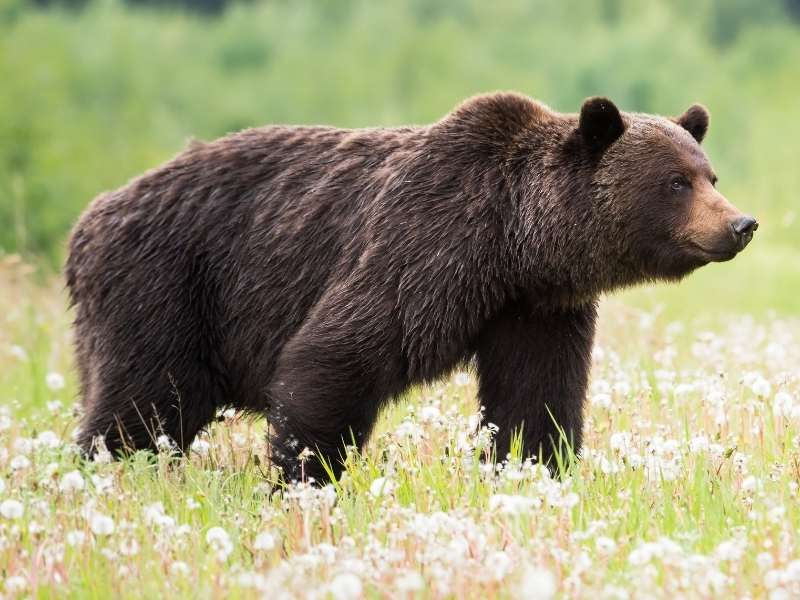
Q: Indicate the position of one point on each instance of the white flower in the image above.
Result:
(749, 484)
(601, 400)
(55, 381)
(382, 486)
(54, 405)
(2, 485)
(536, 584)
(429, 413)
(75, 538)
(512, 504)
(164, 443)
(71, 482)
(782, 404)
(761, 387)
(264, 541)
(461, 378)
(20, 462)
(345, 586)
(200, 446)
(764, 560)
(102, 484)
(500, 564)
(129, 547)
(11, 509)
(47, 439)
(16, 584)
(101, 524)
(179, 568)
(154, 516)
(220, 542)
(699, 443)
(18, 352)
(409, 581)
(605, 545)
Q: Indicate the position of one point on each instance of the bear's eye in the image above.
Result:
(678, 184)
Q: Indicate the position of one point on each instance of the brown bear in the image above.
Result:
(310, 274)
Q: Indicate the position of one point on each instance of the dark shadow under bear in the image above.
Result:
(310, 274)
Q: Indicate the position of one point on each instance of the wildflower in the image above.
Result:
(345, 586)
(55, 381)
(381, 486)
(179, 568)
(101, 524)
(409, 581)
(461, 378)
(764, 560)
(537, 584)
(11, 509)
(102, 484)
(71, 482)
(154, 516)
(164, 443)
(429, 413)
(47, 439)
(75, 538)
(601, 400)
(699, 443)
(201, 447)
(19, 462)
(761, 387)
(18, 352)
(264, 541)
(54, 405)
(16, 584)
(500, 564)
(220, 542)
(782, 404)
(129, 547)
(101, 453)
(605, 545)
(512, 504)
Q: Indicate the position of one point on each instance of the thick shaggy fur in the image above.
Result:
(310, 274)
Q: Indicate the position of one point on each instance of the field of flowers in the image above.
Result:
(687, 486)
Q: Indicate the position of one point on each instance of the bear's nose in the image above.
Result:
(743, 229)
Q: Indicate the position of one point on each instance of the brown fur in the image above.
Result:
(310, 274)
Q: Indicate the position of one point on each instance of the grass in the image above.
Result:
(687, 485)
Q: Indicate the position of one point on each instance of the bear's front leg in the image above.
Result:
(533, 369)
(331, 379)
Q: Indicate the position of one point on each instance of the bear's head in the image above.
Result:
(654, 183)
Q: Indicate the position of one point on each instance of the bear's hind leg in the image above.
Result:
(131, 409)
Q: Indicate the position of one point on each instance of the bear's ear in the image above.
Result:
(695, 121)
(600, 123)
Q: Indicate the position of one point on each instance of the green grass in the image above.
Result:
(687, 485)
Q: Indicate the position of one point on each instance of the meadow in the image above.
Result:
(688, 483)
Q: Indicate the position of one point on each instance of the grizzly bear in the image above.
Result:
(310, 274)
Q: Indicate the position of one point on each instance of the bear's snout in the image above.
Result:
(743, 229)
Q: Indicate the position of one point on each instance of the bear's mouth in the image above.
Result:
(713, 254)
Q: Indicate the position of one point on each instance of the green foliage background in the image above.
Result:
(93, 93)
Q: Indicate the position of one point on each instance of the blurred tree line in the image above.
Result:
(95, 91)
